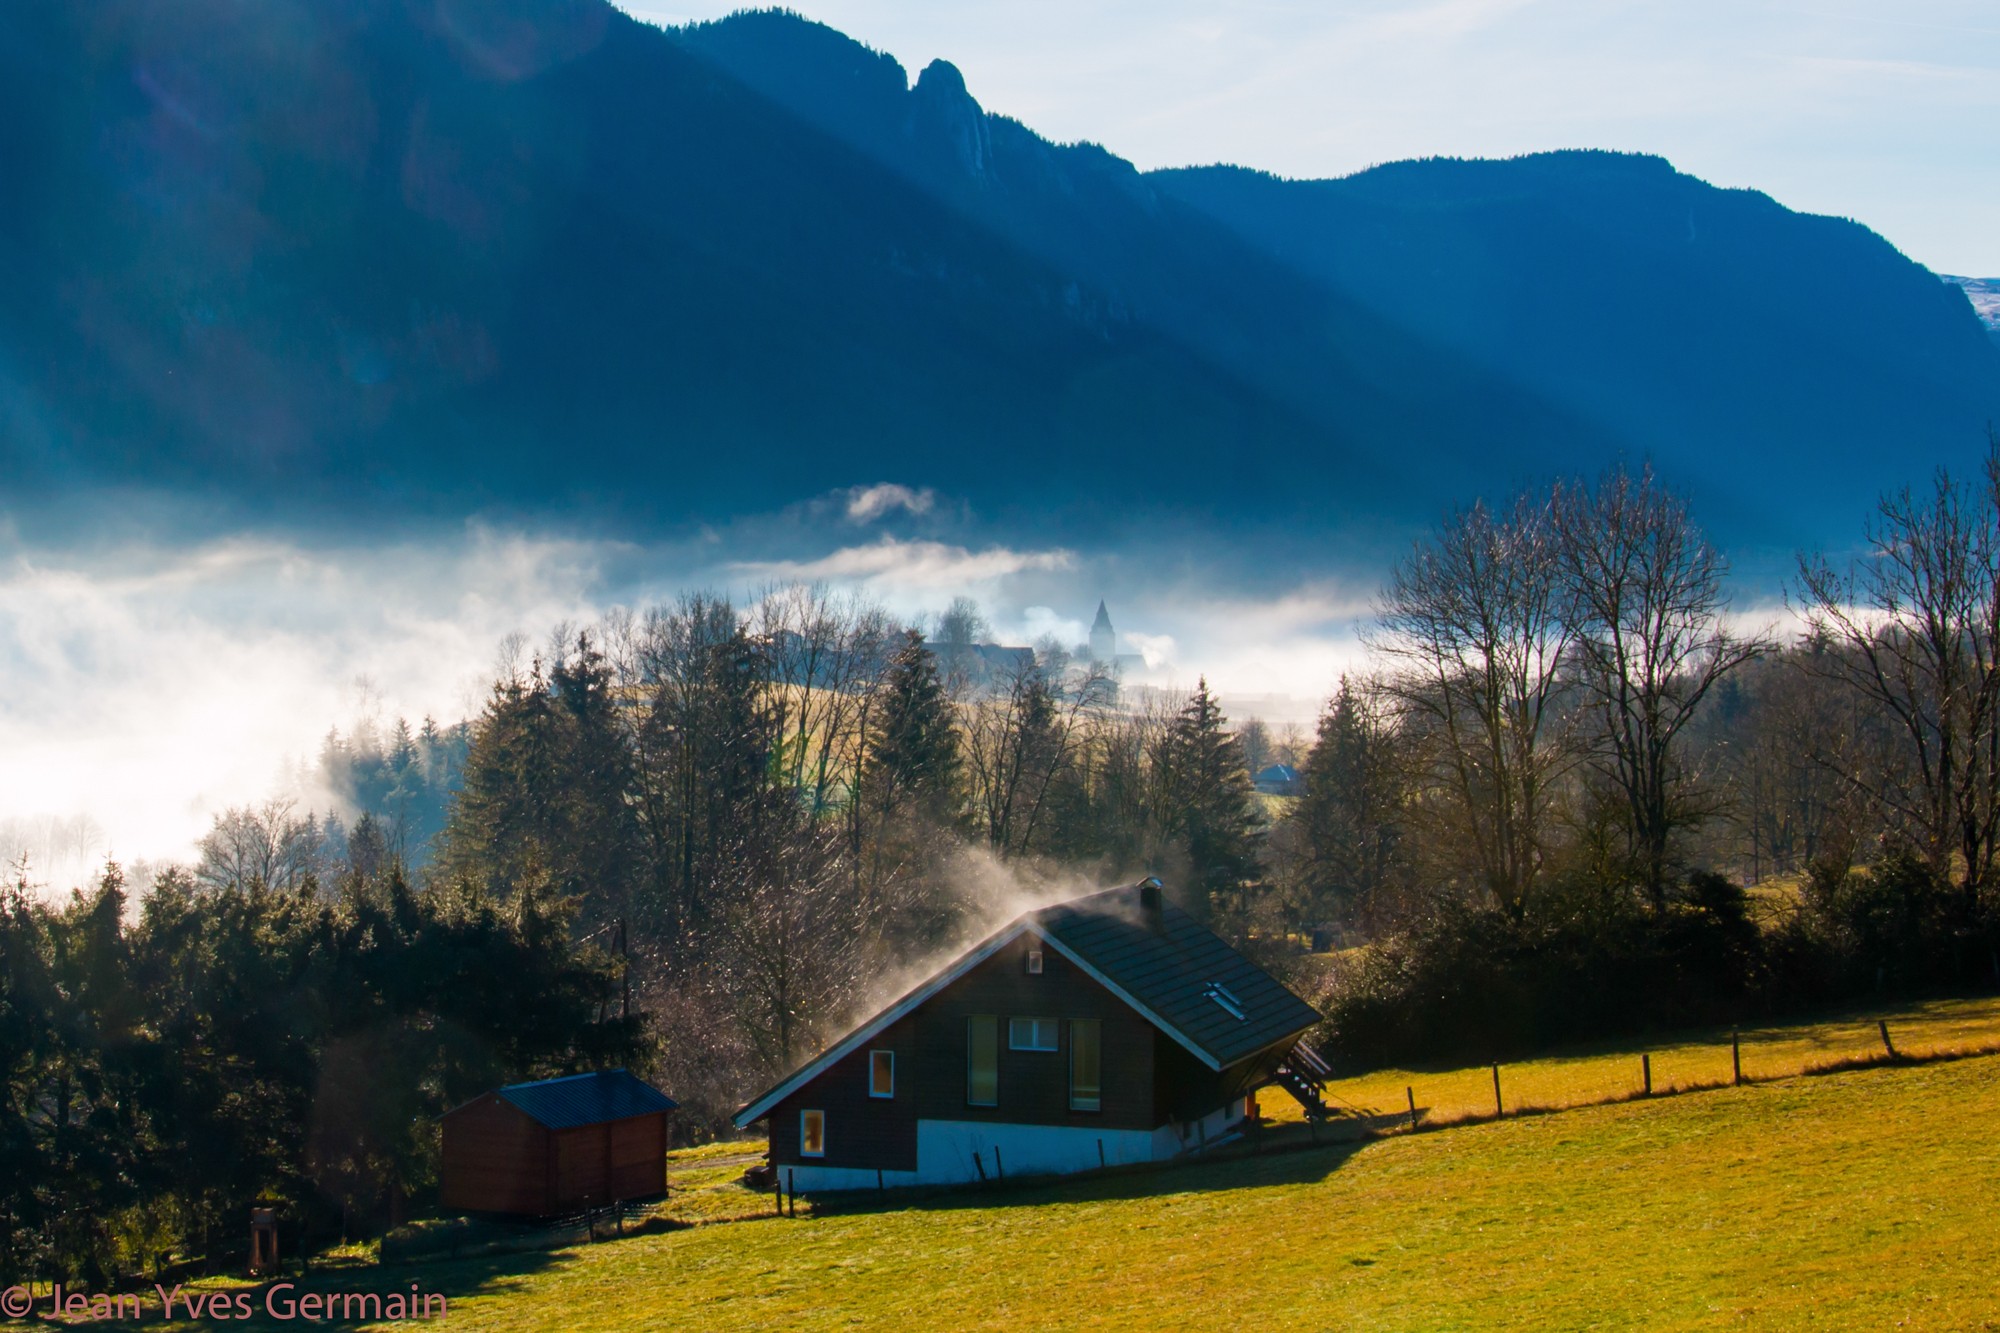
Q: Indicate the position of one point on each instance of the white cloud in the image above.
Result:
(895, 569)
(1158, 651)
(1042, 622)
(865, 504)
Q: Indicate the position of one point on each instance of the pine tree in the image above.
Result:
(598, 857)
(1205, 802)
(913, 760)
(1348, 815)
(505, 825)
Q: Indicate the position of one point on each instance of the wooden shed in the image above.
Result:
(556, 1146)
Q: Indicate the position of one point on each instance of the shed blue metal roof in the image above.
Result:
(586, 1099)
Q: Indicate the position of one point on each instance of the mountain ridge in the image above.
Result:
(410, 260)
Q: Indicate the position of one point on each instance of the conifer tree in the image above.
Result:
(1204, 796)
(1347, 816)
(913, 758)
(598, 859)
(505, 821)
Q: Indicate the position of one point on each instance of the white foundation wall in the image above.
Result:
(946, 1148)
(829, 1179)
(1192, 1136)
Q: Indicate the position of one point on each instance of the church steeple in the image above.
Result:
(1103, 638)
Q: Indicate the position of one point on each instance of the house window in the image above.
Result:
(881, 1073)
(1086, 1064)
(1034, 962)
(1031, 1034)
(812, 1133)
(982, 1060)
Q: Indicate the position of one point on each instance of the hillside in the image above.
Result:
(1842, 1201)
(353, 266)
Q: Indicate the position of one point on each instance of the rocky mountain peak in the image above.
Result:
(944, 116)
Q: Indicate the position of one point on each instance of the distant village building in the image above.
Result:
(556, 1146)
(1277, 780)
(1104, 646)
(984, 665)
(1106, 1030)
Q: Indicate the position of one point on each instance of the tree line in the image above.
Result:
(167, 1064)
(1570, 754)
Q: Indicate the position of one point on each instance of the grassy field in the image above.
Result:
(1588, 1076)
(1860, 1199)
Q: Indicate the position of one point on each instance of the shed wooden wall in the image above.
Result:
(498, 1159)
(605, 1163)
(495, 1160)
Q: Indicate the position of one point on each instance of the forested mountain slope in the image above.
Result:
(336, 265)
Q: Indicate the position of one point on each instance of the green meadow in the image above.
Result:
(1861, 1198)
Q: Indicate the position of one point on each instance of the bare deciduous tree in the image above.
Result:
(1018, 739)
(267, 846)
(1916, 623)
(824, 656)
(1650, 623)
(1472, 623)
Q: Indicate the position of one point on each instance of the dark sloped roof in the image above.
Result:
(587, 1099)
(1180, 971)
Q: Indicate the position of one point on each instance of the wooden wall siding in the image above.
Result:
(578, 1178)
(1034, 1085)
(498, 1159)
(1187, 1089)
(638, 1156)
(495, 1160)
(861, 1131)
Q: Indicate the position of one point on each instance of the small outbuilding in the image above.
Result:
(556, 1146)
(1277, 780)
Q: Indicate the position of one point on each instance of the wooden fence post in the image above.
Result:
(792, 1189)
(1499, 1108)
(1887, 1045)
(979, 1166)
(1411, 1094)
(1736, 1059)
(999, 1171)
(1646, 1070)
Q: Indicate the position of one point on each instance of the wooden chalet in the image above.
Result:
(556, 1146)
(1106, 1030)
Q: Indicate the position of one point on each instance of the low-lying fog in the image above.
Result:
(145, 688)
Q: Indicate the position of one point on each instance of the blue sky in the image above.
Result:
(1884, 112)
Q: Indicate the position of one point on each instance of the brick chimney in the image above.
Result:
(1153, 905)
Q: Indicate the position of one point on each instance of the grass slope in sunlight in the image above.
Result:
(1608, 1072)
(1855, 1200)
